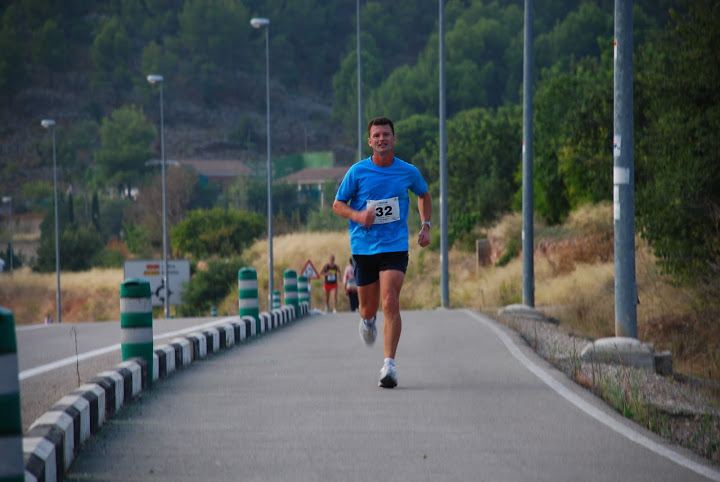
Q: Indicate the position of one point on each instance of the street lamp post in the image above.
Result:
(8, 199)
(260, 23)
(50, 123)
(158, 79)
(359, 84)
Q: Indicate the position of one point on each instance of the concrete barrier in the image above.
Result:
(136, 322)
(303, 295)
(54, 439)
(290, 287)
(248, 293)
(11, 458)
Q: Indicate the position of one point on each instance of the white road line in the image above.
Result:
(31, 372)
(594, 412)
(29, 327)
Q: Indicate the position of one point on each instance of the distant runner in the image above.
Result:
(331, 272)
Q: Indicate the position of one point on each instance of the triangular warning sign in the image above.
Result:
(309, 271)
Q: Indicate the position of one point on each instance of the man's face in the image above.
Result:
(381, 139)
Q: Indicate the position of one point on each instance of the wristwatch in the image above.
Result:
(429, 225)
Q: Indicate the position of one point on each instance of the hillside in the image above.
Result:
(192, 130)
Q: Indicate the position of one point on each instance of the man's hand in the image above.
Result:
(366, 217)
(424, 236)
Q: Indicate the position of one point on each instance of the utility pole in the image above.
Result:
(623, 174)
(528, 242)
(443, 170)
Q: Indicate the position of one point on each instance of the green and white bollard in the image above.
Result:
(12, 467)
(248, 295)
(276, 300)
(291, 289)
(213, 311)
(302, 290)
(136, 321)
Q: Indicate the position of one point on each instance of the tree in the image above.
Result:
(483, 155)
(209, 287)
(157, 60)
(50, 50)
(111, 55)
(215, 29)
(147, 213)
(216, 232)
(415, 134)
(13, 73)
(125, 140)
(678, 163)
(575, 37)
(572, 132)
(344, 83)
(95, 211)
(78, 244)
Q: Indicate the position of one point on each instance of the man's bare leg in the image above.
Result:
(369, 299)
(391, 282)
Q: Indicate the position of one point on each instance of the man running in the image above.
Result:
(373, 196)
(330, 271)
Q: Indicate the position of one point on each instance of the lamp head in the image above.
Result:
(6, 199)
(155, 79)
(259, 22)
(47, 123)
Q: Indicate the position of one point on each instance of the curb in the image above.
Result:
(55, 439)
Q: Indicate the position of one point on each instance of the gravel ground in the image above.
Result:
(681, 409)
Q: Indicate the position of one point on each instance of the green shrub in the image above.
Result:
(209, 287)
(325, 219)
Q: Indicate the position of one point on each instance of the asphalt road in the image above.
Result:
(302, 404)
(52, 365)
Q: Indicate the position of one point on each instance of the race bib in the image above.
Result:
(386, 210)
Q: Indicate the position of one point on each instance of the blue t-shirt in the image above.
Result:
(388, 188)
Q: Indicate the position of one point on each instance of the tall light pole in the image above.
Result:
(158, 79)
(260, 23)
(359, 84)
(445, 290)
(48, 124)
(8, 199)
(528, 237)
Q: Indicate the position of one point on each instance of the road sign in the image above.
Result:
(309, 271)
(152, 271)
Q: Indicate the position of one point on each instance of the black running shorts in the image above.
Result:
(368, 266)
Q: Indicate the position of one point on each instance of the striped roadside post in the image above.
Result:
(291, 288)
(276, 300)
(136, 321)
(302, 289)
(248, 295)
(11, 454)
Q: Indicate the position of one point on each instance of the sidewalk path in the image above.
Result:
(303, 405)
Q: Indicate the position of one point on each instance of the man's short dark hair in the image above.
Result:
(381, 121)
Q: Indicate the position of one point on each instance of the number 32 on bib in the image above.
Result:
(386, 210)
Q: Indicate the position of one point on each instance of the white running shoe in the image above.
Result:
(388, 376)
(368, 331)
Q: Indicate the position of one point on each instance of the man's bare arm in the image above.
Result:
(425, 209)
(365, 217)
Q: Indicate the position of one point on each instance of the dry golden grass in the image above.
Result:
(86, 296)
(574, 283)
(292, 251)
